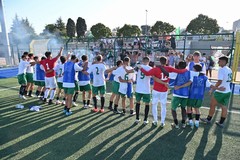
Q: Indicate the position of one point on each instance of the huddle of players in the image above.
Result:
(189, 88)
(189, 85)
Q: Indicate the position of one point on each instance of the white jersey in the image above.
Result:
(125, 76)
(143, 82)
(225, 74)
(59, 69)
(30, 69)
(116, 74)
(98, 71)
(22, 67)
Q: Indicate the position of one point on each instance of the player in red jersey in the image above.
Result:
(50, 80)
(160, 91)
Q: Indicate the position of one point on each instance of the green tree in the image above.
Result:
(99, 30)
(129, 30)
(81, 27)
(203, 25)
(159, 27)
(60, 27)
(21, 31)
(71, 28)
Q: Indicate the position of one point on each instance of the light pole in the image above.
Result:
(146, 22)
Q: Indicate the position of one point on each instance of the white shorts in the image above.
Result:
(50, 82)
(159, 96)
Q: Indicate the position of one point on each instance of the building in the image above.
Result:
(236, 26)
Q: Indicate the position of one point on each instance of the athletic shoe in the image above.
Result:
(89, 106)
(205, 120)
(132, 113)
(184, 125)
(45, 100)
(137, 121)
(85, 106)
(196, 124)
(145, 122)
(68, 113)
(162, 125)
(63, 102)
(101, 110)
(22, 97)
(95, 110)
(173, 125)
(110, 108)
(190, 122)
(50, 102)
(58, 102)
(221, 125)
(74, 104)
(64, 111)
(117, 111)
(154, 123)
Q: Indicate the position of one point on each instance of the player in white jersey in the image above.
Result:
(99, 85)
(125, 87)
(29, 76)
(115, 86)
(143, 90)
(221, 97)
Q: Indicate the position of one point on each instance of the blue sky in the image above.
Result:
(116, 13)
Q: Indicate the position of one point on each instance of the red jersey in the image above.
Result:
(49, 64)
(158, 73)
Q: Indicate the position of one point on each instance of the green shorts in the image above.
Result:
(179, 102)
(29, 77)
(115, 87)
(195, 103)
(222, 98)
(37, 83)
(22, 79)
(77, 88)
(42, 83)
(69, 90)
(85, 88)
(60, 85)
(145, 97)
(101, 89)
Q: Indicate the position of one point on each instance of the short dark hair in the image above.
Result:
(163, 60)
(146, 59)
(63, 59)
(84, 57)
(47, 54)
(224, 58)
(35, 58)
(182, 65)
(99, 58)
(73, 57)
(119, 62)
(25, 53)
(198, 67)
(126, 59)
(23, 56)
(43, 57)
(30, 55)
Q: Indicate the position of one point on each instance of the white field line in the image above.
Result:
(8, 88)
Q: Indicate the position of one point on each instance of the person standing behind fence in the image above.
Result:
(221, 97)
(209, 66)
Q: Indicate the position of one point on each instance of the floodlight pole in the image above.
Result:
(146, 23)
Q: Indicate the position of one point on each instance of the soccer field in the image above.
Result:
(49, 134)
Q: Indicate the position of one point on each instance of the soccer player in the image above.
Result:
(143, 90)
(84, 82)
(77, 88)
(196, 60)
(59, 70)
(29, 76)
(125, 87)
(40, 79)
(221, 97)
(50, 80)
(99, 85)
(22, 68)
(115, 86)
(69, 71)
(160, 91)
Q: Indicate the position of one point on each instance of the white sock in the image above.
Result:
(46, 93)
(52, 94)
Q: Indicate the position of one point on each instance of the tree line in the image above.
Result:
(22, 29)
